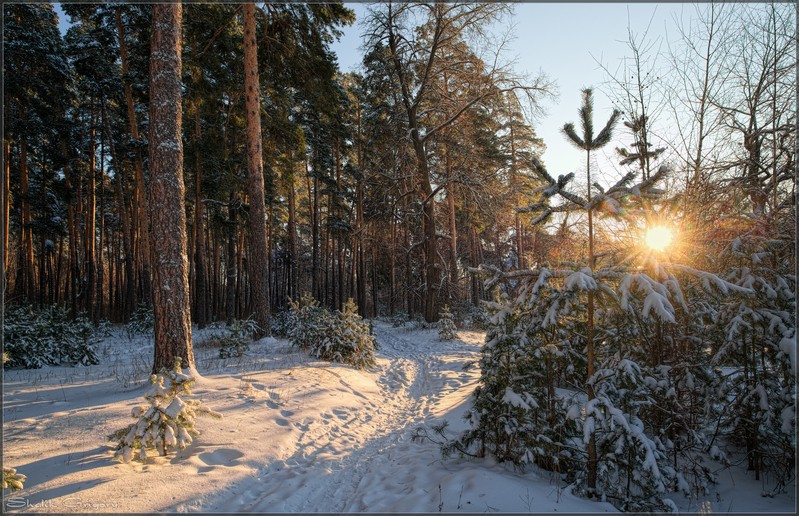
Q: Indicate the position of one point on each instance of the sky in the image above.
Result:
(564, 41)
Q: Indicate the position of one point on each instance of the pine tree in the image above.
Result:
(756, 344)
(170, 274)
(342, 336)
(168, 423)
(446, 326)
(641, 403)
(588, 143)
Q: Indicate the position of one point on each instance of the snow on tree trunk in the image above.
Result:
(170, 283)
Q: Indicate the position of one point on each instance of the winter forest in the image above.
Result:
(236, 278)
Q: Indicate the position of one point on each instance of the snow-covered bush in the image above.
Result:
(12, 480)
(474, 316)
(633, 465)
(141, 322)
(517, 414)
(237, 340)
(168, 422)
(399, 320)
(757, 352)
(446, 326)
(282, 323)
(341, 336)
(48, 337)
(310, 322)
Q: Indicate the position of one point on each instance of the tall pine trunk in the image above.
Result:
(171, 303)
(89, 238)
(129, 301)
(25, 284)
(258, 258)
(140, 206)
(200, 286)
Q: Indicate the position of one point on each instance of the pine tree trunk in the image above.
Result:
(258, 262)
(26, 266)
(393, 267)
(171, 303)
(99, 312)
(292, 230)
(6, 207)
(430, 244)
(129, 303)
(140, 205)
(200, 286)
(230, 273)
(89, 238)
(592, 453)
(453, 233)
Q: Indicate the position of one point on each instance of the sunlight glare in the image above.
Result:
(658, 237)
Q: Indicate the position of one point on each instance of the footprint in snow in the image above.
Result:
(222, 457)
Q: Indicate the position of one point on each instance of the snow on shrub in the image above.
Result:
(282, 323)
(237, 340)
(446, 326)
(48, 337)
(141, 322)
(168, 422)
(340, 336)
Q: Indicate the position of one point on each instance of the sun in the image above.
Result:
(659, 237)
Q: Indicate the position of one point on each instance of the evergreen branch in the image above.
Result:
(605, 135)
(568, 130)
(587, 116)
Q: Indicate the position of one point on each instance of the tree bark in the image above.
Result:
(140, 207)
(453, 232)
(201, 289)
(89, 238)
(258, 262)
(129, 303)
(292, 230)
(171, 303)
(6, 205)
(230, 271)
(26, 281)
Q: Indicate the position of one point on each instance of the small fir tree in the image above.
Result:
(446, 326)
(167, 423)
(348, 339)
(342, 336)
(237, 342)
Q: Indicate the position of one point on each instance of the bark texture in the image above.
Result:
(258, 262)
(170, 285)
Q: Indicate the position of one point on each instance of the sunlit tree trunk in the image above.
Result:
(171, 302)
(258, 262)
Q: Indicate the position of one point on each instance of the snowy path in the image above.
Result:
(342, 456)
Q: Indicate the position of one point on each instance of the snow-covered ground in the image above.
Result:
(298, 435)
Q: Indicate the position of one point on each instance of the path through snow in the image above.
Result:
(346, 459)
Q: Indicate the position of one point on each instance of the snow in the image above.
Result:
(297, 435)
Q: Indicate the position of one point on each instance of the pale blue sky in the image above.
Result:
(559, 39)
